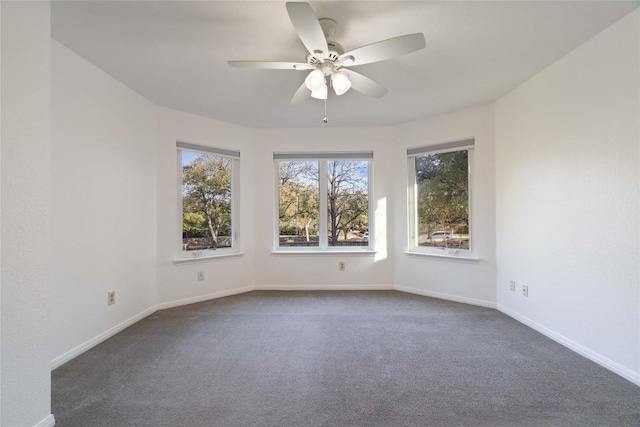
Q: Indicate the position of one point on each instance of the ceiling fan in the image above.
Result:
(328, 61)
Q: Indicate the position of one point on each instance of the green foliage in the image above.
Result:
(298, 205)
(206, 195)
(443, 192)
(289, 231)
(293, 231)
(194, 224)
(347, 199)
(461, 229)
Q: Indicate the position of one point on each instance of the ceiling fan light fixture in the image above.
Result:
(320, 93)
(325, 57)
(315, 80)
(340, 82)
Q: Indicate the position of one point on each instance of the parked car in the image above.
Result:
(365, 236)
(441, 235)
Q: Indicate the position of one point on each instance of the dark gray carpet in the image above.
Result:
(336, 358)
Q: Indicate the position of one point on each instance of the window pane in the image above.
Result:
(348, 202)
(206, 201)
(443, 199)
(299, 209)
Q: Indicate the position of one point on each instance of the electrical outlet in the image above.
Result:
(341, 266)
(111, 297)
(525, 290)
(201, 275)
(512, 285)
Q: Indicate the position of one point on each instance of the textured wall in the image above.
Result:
(568, 198)
(25, 213)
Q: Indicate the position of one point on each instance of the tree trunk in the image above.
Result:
(306, 229)
(334, 221)
(212, 230)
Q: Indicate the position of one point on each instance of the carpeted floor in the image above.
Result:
(336, 358)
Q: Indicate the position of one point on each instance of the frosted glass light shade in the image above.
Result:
(340, 83)
(315, 80)
(320, 93)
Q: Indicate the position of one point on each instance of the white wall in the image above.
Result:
(104, 202)
(568, 199)
(25, 213)
(321, 271)
(178, 283)
(471, 282)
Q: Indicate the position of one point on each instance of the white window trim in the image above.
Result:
(465, 255)
(444, 257)
(184, 257)
(322, 158)
(184, 261)
(356, 250)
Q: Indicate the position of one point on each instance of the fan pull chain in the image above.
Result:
(326, 119)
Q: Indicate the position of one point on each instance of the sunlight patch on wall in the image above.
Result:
(380, 229)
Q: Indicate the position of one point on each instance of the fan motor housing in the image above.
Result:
(335, 50)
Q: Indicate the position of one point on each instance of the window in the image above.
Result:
(439, 194)
(207, 190)
(299, 203)
(323, 200)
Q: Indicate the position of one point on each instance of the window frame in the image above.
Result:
(322, 158)
(467, 145)
(234, 156)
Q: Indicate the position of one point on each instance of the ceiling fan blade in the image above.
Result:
(365, 85)
(385, 49)
(301, 95)
(268, 65)
(309, 30)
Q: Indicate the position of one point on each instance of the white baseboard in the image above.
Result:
(449, 297)
(624, 372)
(200, 298)
(77, 351)
(74, 352)
(323, 287)
(48, 421)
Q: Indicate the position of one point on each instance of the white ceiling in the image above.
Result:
(175, 53)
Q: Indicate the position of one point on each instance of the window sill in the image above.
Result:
(205, 258)
(445, 257)
(341, 252)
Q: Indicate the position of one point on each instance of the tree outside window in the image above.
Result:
(440, 197)
(299, 209)
(206, 201)
(303, 207)
(348, 200)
